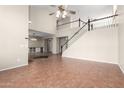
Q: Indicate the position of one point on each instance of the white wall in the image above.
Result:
(66, 32)
(54, 45)
(41, 20)
(98, 45)
(62, 21)
(120, 11)
(13, 30)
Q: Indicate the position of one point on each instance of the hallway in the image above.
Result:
(63, 72)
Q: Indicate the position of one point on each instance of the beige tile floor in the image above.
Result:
(63, 72)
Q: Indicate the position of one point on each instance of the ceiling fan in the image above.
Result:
(62, 11)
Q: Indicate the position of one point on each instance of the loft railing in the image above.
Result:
(89, 25)
(78, 20)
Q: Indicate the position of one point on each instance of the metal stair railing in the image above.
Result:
(88, 23)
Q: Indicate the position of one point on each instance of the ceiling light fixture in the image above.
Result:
(62, 14)
(58, 14)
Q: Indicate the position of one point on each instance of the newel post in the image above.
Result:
(88, 24)
(79, 22)
(61, 50)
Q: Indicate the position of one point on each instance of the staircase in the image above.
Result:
(85, 27)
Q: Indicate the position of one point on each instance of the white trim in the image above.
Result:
(92, 60)
(13, 67)
(122, 69)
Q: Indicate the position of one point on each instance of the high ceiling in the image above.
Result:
(84, 11)
(92, 11)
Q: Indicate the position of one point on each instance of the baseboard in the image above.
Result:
(102, 61)
(121, 68)
(13, 67)
(99, 61)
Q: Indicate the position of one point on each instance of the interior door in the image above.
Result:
(48, 45)
(62, 41)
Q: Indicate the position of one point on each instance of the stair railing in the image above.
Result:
(78, 20)
(72, 36)
(88, 23)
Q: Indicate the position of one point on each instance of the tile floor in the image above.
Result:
(54, 72)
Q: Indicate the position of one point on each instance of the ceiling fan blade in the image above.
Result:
(52, 13)
(72, 12)
(53, 5)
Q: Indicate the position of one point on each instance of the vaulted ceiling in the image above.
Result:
(92, 11)
(84, 11)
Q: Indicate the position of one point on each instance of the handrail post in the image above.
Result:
(88, 24)
(79, 22)
(61, 50)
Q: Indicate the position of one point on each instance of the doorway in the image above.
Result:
(48, 45)
(61, 42)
